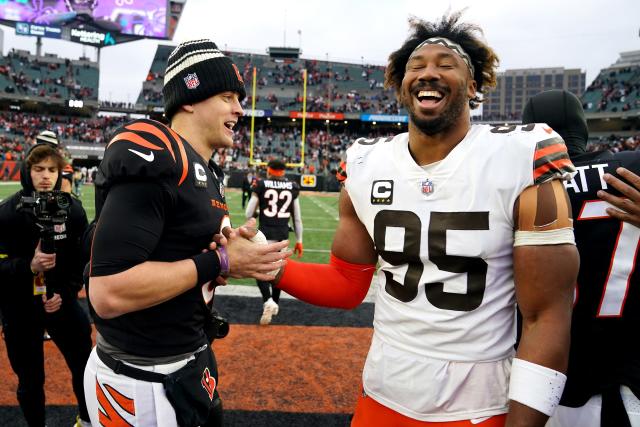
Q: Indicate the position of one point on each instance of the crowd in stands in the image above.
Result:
(331, 87)
(25, 74)
(619, 91)
(615, 143)
(18, 130)
(323, 149)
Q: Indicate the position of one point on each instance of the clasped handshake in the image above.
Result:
(249, 253)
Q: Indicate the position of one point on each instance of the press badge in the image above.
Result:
(39, 285)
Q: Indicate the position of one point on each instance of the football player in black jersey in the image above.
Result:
(154, 265)
(604, 368)
(277, 198)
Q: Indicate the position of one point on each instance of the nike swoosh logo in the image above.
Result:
(147, 157)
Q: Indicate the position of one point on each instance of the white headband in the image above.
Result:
(451, 45)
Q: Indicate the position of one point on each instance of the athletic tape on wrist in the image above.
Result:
(207, 266)
(224, 261)
(536, 386)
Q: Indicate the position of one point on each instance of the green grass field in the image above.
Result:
(319, 218)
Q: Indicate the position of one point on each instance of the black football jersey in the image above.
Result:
(607, 306)
(276, 206)
(158, 201)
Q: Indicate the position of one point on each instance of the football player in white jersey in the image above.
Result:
(464, 221)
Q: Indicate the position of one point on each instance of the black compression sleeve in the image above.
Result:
(130, 226)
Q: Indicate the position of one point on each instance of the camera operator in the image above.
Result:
(41, 274)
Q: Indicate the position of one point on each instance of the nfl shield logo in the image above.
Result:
(191, 80)
(427, 187)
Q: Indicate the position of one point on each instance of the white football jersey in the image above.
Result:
(444, 235)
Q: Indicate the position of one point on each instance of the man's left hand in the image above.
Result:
(53, 304)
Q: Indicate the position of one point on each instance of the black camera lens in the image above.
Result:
(62, 201)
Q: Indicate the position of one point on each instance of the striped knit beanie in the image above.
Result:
(47, 137)
(197, 70)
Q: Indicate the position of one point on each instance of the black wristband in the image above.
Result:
(207, 266)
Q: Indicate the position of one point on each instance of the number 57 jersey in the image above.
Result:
(444, 233)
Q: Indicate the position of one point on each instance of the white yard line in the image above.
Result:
(331, 212)
(319, 229)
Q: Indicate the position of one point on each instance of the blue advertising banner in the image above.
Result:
(384, 118)
(258, 113)
(49, 31)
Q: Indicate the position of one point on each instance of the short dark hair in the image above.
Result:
(43, 151)
(483, 58)
(276, 164)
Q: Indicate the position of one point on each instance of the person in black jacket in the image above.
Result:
(39, 290)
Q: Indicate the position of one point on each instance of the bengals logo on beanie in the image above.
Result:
(197, 70)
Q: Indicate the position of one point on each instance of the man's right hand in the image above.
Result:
(41, 261)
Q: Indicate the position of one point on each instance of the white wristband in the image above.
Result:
(536, 386)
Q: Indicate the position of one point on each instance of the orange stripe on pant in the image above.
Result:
(370, 413)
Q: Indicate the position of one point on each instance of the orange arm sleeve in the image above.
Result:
(339, 284)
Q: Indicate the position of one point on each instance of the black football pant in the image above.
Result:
(23, 329)
(269, 291)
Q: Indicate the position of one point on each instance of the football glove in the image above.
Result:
(298, 249)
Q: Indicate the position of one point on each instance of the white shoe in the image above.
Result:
(269, 309)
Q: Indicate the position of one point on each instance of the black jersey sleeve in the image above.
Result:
(130, 226)
(295, 190)
(143, 150)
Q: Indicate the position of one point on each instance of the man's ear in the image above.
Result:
(188, 108)
(472, 89)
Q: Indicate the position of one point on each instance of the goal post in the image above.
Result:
(252, 161)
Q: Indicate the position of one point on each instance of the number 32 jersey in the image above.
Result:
(445, 303)
(276, 198)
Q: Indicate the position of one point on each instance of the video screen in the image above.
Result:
(136, 17)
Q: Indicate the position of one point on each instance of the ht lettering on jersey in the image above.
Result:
(382, 192)
(590, 177)
(278, 184)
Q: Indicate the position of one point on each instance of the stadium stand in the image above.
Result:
(48, 77)
(331, 86)
(614, 90)
(346, 89)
